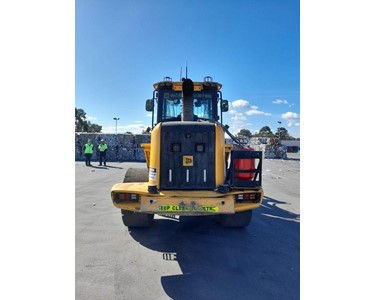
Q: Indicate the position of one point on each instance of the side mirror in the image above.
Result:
(150, 105)
(224, 105)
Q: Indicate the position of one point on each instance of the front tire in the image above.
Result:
(238, 219)
(136, 175)
(135, 219)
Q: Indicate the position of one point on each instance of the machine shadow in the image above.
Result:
(258, 262)
(113, 167)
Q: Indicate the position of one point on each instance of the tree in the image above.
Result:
(265, 131)
(80, 119)
(147, 131)
(244, 133)
(244, 136)
(94, 127)
(82, 125)
(283, 134)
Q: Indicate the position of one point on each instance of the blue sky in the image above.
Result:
(251, 47)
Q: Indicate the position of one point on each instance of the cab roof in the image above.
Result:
(206, 84)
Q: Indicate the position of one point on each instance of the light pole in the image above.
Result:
(116, 119)
(279, 129)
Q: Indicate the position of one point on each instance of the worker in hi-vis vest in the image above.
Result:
(88, 149)
(102, 152)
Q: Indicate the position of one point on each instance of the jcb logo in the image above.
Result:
(188, 161)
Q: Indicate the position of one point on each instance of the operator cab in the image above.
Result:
(207, 100)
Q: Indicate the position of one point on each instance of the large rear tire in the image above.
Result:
(239, 219)
(136, 219)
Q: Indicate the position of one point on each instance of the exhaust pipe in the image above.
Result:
(187, 100)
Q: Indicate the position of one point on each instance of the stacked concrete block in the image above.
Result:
(128, 141)
(142, 139)
(121, 147)
(124, 154)
(127, 147)
(140, 155)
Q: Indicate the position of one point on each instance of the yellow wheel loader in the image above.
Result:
(191, 171)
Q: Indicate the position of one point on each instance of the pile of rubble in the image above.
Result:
(271, 147)
(121, 147)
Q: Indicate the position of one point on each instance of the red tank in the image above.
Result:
(244, 164)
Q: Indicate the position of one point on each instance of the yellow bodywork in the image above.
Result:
(152, 155)
(152, 203)
(183, 202)
(210, 202)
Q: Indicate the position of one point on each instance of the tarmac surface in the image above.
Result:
(187, 257)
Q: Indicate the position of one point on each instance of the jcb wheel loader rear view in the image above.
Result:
(191, 171)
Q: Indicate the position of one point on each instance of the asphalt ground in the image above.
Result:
(187, 257)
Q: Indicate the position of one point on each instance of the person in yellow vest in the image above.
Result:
(88, 149)
(102, 152)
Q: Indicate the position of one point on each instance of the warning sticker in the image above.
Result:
(152, 174)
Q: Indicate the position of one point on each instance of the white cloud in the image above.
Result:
(238, 122)
(240, 103)
(292, 118)
(278, 101)
(238, 117)
(290, 115)
(244, 104)
(133, 128)
(254, 112)
(239, 111)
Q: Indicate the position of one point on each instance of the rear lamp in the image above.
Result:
(253, 197)
(125, 197)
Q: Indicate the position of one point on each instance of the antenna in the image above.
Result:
(186, 70)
